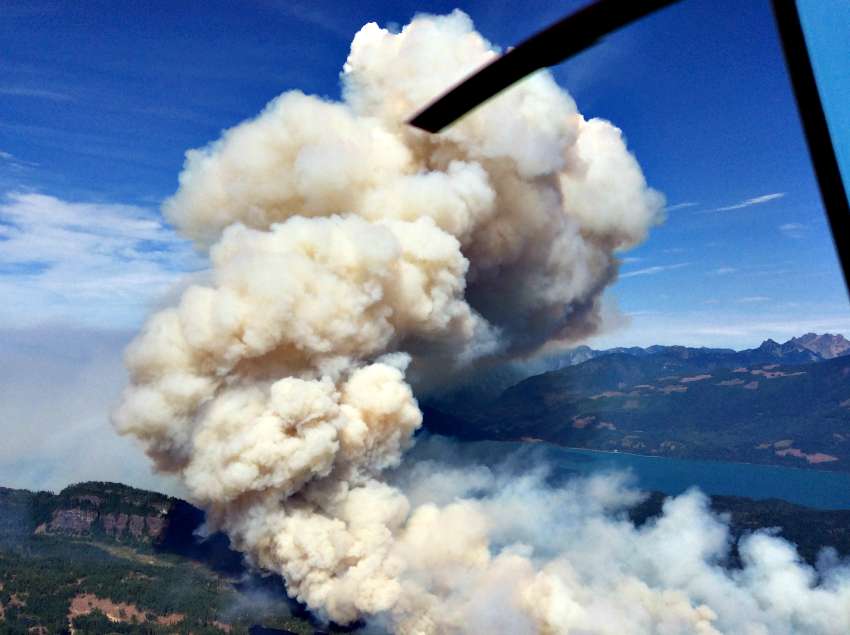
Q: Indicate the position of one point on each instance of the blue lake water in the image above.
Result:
(813, 488)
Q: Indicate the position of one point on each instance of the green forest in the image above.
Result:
(197, 590)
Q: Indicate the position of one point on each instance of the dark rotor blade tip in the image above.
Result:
(554, 44)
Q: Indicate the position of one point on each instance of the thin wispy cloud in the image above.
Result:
(651, 271)
(672, 208)
(177, 114)
(793, 230)
(756, 327)
(310, 14)
(710, 325)
(723, 271)
(84, 263)
(753, 299)
(38, 93)
(630, 260)
(757, 200)
(99, 144)
(9, 159)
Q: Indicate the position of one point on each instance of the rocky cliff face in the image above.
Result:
(102, 509)
(73, 521)
(827, 345)
(117, 525)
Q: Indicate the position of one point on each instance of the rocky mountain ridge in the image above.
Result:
(781, 404)
(827, 345)
(483, 386)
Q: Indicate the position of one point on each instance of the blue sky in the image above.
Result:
(99, 101)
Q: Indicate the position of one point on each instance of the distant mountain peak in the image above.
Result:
(789, 352)
(826, 345)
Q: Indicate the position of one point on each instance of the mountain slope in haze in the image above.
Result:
(108, 558)
(778, 403)
(485, 385)
(827, 346)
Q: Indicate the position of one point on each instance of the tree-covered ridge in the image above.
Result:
(99, 582)
(688, 403)
(115, 497)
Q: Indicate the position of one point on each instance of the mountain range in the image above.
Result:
(488, 383)
(786, 404)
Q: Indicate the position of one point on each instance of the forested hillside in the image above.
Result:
(766, 405)
(107, 558)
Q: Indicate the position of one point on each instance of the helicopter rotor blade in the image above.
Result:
(565, 38)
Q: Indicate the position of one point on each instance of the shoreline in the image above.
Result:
(811, 488)
(535, 441)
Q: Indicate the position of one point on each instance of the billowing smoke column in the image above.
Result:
(347, 250)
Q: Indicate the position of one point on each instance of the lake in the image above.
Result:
(813, 488)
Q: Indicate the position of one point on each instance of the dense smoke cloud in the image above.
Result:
(569, 560)
(351, 253)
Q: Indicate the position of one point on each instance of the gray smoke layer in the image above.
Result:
(348, 251)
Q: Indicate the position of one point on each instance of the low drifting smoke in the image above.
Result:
(354, 257)
(568, 560)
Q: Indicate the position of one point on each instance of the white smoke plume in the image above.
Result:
(351, 253)
(568, 560)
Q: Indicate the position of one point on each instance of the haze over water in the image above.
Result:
(819, 489)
